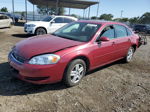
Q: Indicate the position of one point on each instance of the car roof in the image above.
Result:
(101, 22)
(71, 17)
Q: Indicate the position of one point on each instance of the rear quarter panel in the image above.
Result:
(135, 40)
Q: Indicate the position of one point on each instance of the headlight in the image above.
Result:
(31, 25)
(45, 59)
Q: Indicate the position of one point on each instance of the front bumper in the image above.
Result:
(37, 74)
(29, 30)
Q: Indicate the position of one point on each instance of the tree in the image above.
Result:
(94, 17)
(121, 19)
(145, 18)
(44, 10)
(74, 15)
(134, 20)
(106, 17)
(124, 20)
(4, 9)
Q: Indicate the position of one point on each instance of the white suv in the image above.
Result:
(48, 25)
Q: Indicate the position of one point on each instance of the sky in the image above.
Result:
(130, 8)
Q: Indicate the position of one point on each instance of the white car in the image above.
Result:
(5, 21)
(48, 25)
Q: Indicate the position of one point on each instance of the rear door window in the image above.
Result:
(3, 17)
(59, 20)
(67, 20)
(120, 31)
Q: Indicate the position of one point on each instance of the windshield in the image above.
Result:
(47, 19)
(78, 31)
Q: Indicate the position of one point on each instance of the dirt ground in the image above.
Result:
(117, 87)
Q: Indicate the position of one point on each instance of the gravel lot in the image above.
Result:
(117, 87)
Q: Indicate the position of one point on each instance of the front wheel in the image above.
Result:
(74, 72)
(40, 31)
(129, 55)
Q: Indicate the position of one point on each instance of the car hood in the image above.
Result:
(43, 44)
(38, 23)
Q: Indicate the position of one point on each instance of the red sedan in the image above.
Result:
(71, 51)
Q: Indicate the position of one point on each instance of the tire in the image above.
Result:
(16, 20)
(40, 31)
(73, 75)
(129, 55)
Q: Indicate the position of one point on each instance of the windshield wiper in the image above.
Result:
(54, 34)
(58, 35)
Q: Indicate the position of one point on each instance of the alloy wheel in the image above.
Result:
(77, 73)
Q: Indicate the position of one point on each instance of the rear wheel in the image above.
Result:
(129, 55)
(74, 72)
(16, 20)
(40, 31)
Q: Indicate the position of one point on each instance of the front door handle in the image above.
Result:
(129, 40)
(113, 43)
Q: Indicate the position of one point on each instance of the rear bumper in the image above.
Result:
(142, 40)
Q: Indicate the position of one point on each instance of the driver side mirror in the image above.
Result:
(103, 39)
(52, 22)
(136, 32)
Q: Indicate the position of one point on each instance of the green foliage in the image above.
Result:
(75, 15)
(134, 20)
(107, 17)
(44, 10)
(145, 18)
(116, 19)
(4, 9)
(121, 19)
(124, 19)
(94, 17)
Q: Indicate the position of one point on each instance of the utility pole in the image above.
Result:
(89, 12)
(33, 12)
(26, 9)
(69, 11)
(57, 2)
(121, 13)
(83, 13)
